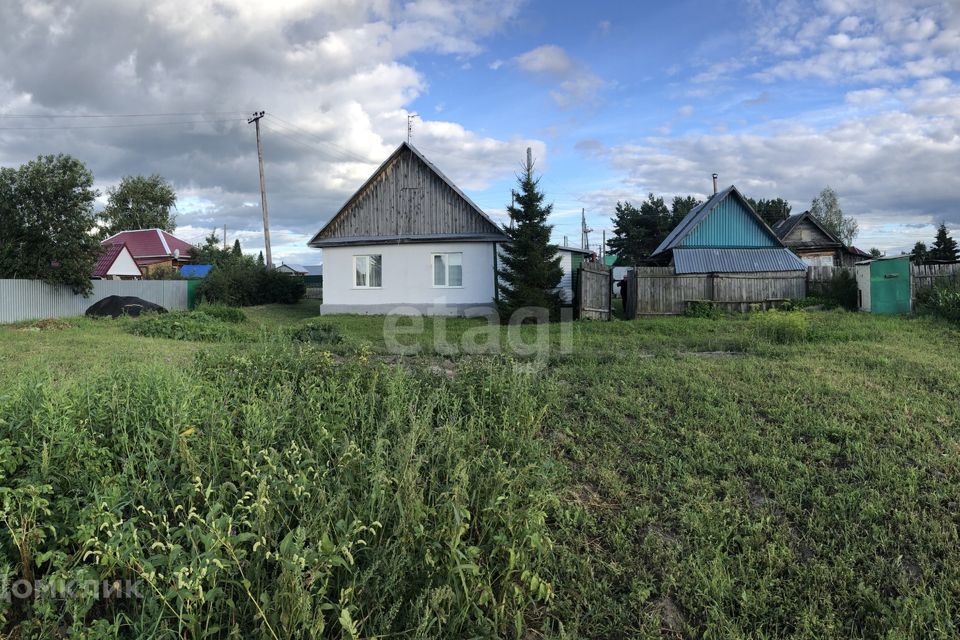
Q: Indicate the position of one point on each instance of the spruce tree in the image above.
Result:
(530, 265)
(920, 253)
(944, 247)
(237, 251)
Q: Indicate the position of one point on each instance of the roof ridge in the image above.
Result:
(163, 241)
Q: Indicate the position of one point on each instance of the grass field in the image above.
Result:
(675, 477)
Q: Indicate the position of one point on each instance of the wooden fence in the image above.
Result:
(928, 275)
(594, 291)
(660, 291)
(924, 275)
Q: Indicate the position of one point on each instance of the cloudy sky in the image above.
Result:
(616, 99)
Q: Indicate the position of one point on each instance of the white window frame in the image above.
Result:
(367, 271)
(446, 271)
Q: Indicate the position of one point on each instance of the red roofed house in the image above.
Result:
(116, 263)
(152, 248)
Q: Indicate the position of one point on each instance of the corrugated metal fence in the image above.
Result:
(35, 300)
(660, 291)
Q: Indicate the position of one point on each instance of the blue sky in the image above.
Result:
(617, 99)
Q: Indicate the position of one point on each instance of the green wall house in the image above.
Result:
(725, 235)
(885, 285)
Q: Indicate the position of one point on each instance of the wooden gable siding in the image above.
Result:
(406, 198)
(807, 234)
(729, 224)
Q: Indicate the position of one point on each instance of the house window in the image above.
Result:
(448, 269)
(367, 272)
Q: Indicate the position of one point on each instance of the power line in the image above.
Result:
(311, 146)
(121, 126)
(303, 131)
(120, 115)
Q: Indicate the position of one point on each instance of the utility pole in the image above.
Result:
(529, 160)
(255, 119)
(410, 117)
(224, 237)
(603, 246)
(584, 230)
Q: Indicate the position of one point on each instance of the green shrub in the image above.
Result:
(702, 309)
(781, 327)
(183, 325)
(942, 300)
(278, 494)
(843, 289)
(243, 283)
(317, 332)
(223, 312)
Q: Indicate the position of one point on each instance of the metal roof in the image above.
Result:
(151, 243)
(314, 269)
(735, 260)
(574, 249)
(700, 212)
(195, 270)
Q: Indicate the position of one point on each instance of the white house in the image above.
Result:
(409, 241)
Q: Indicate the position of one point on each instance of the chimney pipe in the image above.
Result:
(715, 184)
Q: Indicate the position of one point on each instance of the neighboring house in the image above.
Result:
(314, 277)
(153, 248)
(806, 236)
(195, 271)
(725, 235)
(292, 269)
(116, 263)
(409, 241)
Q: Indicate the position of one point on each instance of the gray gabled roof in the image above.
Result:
(701, 211)
(499, 235)
(788, 224)
(736, 260)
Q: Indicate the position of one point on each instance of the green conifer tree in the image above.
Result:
(530, 265)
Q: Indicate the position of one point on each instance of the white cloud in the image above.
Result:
(575, 84)
(337, 71)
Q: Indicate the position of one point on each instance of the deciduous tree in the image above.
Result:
(826, 209)
(47, 222)
(139, 202)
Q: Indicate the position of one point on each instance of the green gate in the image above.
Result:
(890, 285)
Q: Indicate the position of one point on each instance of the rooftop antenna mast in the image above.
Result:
(410, 117)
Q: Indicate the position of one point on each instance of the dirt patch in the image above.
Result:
(672, 621)
(49, 324)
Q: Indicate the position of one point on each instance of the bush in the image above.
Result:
(701, 309)
(162, 272)
(843, 290)
(781, 327)
(942, 300)
(318, 333)
(234, 315)
(182, 325)
(243, 283)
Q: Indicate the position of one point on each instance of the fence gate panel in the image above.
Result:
(594, 291)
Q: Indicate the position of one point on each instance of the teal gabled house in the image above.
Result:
(725, 235)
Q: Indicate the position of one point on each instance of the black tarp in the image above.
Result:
(116, 306)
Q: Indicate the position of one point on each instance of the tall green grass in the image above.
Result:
(275, 493)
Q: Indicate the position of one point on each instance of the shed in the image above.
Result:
(570, 260)
(885, 285)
